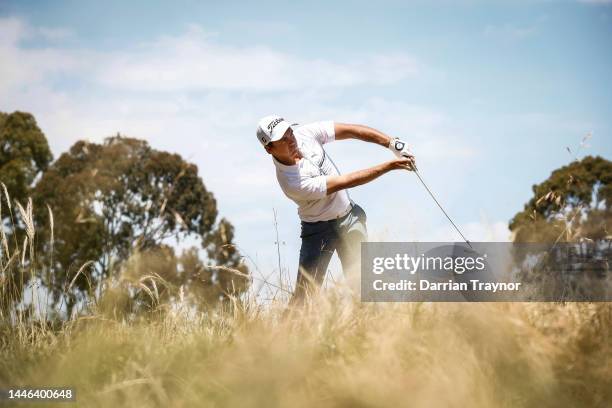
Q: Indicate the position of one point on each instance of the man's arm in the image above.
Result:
(360, 132)
(367, 134)
(359, 177)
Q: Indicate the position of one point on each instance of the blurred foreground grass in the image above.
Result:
(334, 352)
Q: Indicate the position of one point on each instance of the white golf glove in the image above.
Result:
(400, 149)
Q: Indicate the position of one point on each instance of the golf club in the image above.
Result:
(447, 216)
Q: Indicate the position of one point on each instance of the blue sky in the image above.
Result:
(489, 94)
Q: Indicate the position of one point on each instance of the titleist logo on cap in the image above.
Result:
(273, 124)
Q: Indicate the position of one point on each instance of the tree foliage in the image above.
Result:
(24, 153)
(120, 198)
(575, 201)
(572, 206)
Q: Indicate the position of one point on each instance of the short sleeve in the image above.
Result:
(307, 188)
(323, 131)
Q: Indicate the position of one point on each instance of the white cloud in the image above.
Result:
(22, 68)
(11, 31)
(189, 62)
(193, 61)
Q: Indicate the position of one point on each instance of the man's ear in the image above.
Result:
(268, 148)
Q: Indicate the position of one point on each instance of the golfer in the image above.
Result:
(331, 221)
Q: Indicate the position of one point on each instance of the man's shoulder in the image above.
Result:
(312, 126)
(302, 129)
(321, 131)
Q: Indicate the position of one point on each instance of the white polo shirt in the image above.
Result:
(305, 182)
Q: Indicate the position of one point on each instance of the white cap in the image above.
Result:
(271, 128)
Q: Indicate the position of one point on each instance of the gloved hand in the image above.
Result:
(400, 149)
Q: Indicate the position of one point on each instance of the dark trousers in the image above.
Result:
(320, 240)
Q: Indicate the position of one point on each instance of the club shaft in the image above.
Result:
(447, 216)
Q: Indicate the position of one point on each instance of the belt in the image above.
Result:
(347, 212)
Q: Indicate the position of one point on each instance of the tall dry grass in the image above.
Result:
(333, 352)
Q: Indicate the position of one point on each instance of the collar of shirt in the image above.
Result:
(285, 167)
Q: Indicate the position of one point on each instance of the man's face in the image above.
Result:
(284, 147)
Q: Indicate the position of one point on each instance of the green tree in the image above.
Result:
(574, 202)
(114, 199)
(24, 153)
(572, 206)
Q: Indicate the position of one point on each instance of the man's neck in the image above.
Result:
(289, 160)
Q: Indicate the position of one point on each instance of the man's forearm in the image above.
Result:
(360, 132)
(356, 178)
